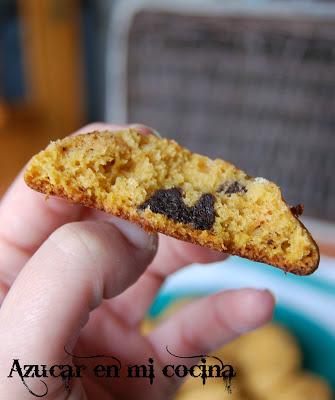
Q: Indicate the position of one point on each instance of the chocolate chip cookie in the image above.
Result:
(165, 188)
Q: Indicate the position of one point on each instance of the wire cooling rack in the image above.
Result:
(257, 91)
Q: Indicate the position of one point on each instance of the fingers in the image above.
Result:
(27, 219)
(172, 255)
(50, 300)
(209, 323)
(101, 126)
(98, 126)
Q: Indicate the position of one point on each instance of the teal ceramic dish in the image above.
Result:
(311, 327)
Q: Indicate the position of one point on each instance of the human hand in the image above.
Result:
(76, 278)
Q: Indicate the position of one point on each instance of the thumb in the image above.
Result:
(77, 266)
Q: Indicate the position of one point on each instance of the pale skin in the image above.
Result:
(81, 279)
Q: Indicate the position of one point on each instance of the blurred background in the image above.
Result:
(251, 81)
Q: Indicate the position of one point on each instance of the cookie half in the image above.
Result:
(164, 187)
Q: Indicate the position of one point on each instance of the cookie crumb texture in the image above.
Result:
(166, 188)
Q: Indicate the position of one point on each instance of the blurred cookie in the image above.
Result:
(211, 391)
(191, 384)
(301, 386)
(266, 355)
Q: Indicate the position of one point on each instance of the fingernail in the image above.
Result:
(136, 235)
(155, 132)
(145, 130)
(264, 290)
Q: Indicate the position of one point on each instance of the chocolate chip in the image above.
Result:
(297, 210)
(170, 202)
(233, 187)
(203, 214)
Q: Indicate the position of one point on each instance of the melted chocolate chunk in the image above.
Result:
(297, 210)
(230, 188)
(170, 202)
(203, 214)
